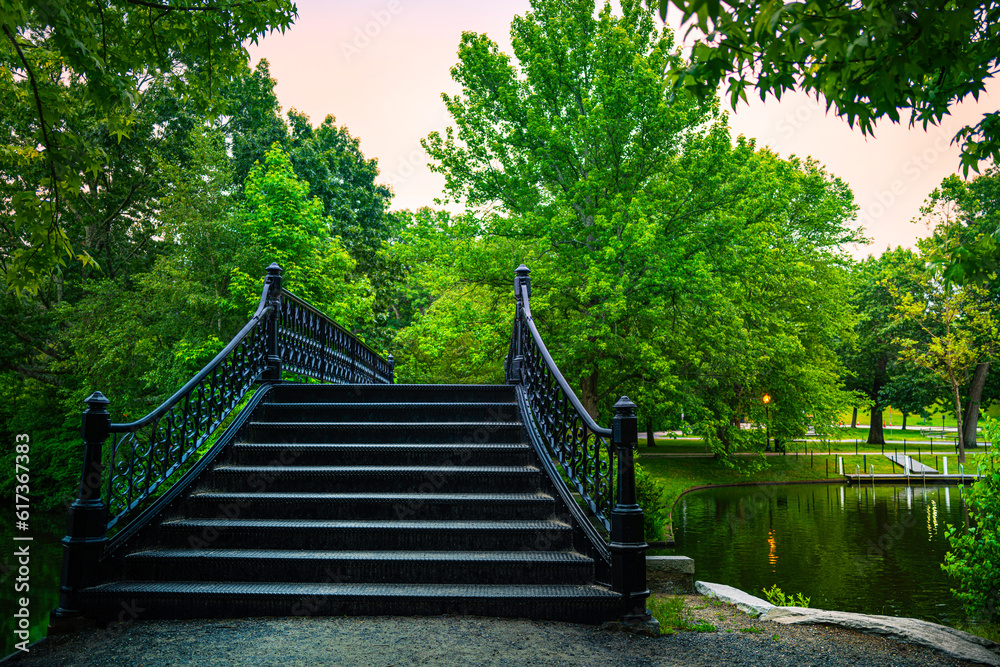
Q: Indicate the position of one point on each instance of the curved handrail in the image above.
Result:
(551, 364)
(569, 434)
(263, 309)
(285, 330)
(310, 343)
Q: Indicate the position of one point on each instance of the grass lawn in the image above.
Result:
(849, 440)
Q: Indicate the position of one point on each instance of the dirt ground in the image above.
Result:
(461, 641)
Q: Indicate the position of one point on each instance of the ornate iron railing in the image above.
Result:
(562, 430)
(583, 449)
(310, 343)
(146, 455)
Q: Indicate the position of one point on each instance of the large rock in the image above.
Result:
(952, 642)
(743, 601)
(670, 574)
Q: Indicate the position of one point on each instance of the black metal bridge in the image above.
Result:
(246, 494)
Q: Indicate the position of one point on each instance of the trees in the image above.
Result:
(63, 64)
(872, 359)
(281, 222)
(868, 60)
(955, 332)
(329, 160)
(966, 217)
(667, 263)
(568, 149)
(963, 247)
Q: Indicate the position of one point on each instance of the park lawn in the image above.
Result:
(916, 422)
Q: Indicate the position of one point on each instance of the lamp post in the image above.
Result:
(767, 422)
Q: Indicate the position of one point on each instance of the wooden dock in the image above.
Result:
(936, 479)
(915, 467)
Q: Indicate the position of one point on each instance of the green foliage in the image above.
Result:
(329, 160)
(280, 222)
(65, 64)
(954, 328)
(651, 494)
(966, 219)
(459, 315)
(974, 558)
(667, 264)
(871, 355)
(868, 60)
(673, 616)
(778, 598)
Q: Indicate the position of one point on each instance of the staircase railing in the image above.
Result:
(284, 333)
(563, 431)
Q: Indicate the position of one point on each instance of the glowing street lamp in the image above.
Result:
(767, 421)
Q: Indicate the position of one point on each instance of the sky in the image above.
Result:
(380, 66)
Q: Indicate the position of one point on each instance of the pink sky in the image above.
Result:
(380, 66)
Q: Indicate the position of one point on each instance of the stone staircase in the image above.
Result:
(365, 500)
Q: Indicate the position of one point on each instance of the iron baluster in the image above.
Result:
(272, 287)
(585, 451)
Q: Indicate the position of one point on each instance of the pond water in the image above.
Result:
(860, 549)
(44, 563)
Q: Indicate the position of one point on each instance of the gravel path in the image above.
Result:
(469, 641)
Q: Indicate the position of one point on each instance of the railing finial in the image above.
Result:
(521, 276)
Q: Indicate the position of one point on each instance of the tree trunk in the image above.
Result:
(875, 433)
(650, 440)
(588, 393)
(972, 407)
(854, 418)
(958, 413)
(904, 420)
(876, 436)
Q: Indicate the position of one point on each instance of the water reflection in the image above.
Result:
(871, 550)
(45, 562)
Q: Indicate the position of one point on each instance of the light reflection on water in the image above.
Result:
(862, 549)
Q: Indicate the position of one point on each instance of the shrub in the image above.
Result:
(974, 558)
(651, 496)
(778, 598)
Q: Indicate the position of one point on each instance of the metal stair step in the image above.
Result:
(187, 599)
(514, 479)
(277, 565)
(407, 411)
(444, 454)
(400, 432)
(396, 393)
(372, 505)
(318, 534)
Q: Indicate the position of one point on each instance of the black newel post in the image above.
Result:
(273, 372)
(521, 277)
(392, 369)
(88, 515)
(628, 543)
